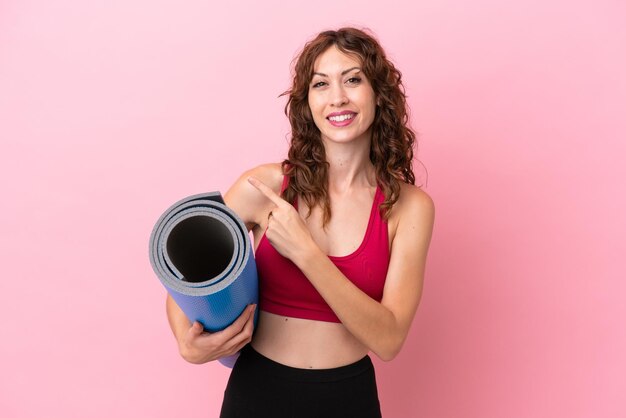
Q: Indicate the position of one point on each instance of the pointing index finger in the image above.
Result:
(269, 193)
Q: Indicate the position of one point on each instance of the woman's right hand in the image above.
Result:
(198, 346)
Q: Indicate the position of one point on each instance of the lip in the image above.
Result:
(344, 122)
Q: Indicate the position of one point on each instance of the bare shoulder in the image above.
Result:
(414, 202)
(271, 174)
(249, 204)
(414, 211)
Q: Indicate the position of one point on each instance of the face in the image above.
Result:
(341, 99)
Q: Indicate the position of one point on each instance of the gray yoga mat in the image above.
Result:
(201, 252)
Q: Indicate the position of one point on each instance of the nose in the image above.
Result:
(338, 96)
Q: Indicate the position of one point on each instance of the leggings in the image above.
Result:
(259, 387)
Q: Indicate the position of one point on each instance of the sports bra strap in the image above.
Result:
(285, 183)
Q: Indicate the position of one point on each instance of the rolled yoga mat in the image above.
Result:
(201, 252)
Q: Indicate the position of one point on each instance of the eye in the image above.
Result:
(354, 80)
(318, 84)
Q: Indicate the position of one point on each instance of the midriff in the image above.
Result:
(305, 343)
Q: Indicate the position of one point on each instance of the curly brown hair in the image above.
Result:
(391, 150)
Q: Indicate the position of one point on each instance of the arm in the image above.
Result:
(195, 345)
(383, 326)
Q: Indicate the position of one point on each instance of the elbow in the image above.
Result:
(388, 347)
(386, 358)
(387, 355)
(389, 351)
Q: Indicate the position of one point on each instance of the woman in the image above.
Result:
(341, 236)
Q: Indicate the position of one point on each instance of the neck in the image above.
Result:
(349, 166)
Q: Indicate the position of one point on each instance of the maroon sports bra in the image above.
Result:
(285, 290)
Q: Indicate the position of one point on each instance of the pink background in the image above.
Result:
(112, 110)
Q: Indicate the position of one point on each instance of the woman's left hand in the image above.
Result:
(286, 230)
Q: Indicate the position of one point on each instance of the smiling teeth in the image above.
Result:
(341, 118)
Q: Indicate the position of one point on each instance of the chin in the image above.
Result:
(344, 138)
(339, 140)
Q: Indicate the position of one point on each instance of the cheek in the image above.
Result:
(371, 108)
(315, 108)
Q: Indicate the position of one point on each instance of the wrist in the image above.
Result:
(307, 255)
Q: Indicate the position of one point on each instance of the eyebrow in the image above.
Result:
(344, 72)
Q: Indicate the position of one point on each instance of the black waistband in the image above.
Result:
(250, 357)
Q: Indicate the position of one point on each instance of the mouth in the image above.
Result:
(341, 118)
